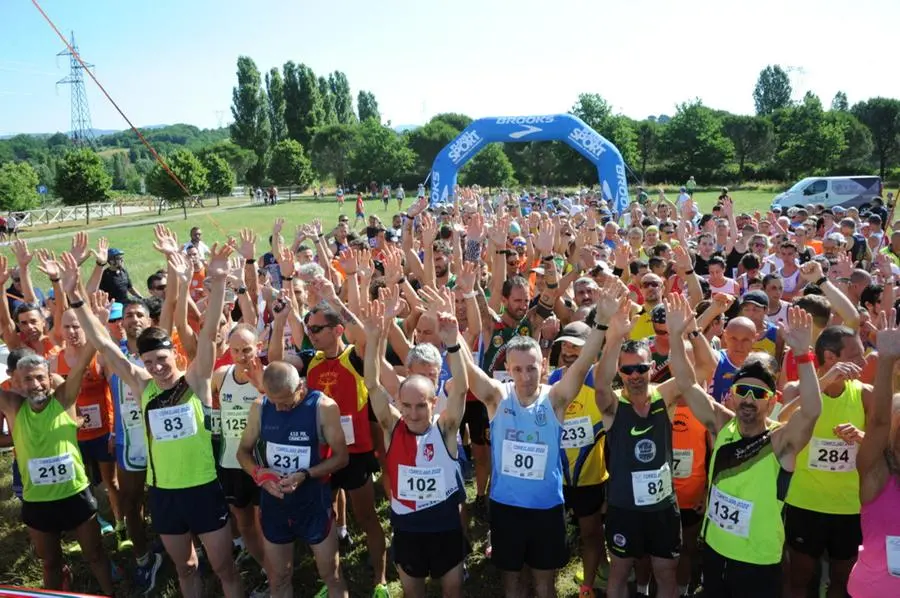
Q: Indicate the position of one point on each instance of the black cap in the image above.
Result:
(658, 314)
(757, 298)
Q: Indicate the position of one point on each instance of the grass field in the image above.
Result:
(18, 564)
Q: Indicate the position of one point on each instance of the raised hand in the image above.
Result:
(611, 297)
(844, 266)
(47, 263)
(798, 330)
(365, 265)
(811, 271)
(435, 300)
(543, 241)
(887, 340)
(550, 328)
(247, 246)
(393, 265)
(840, 372)
(429, 230)
(683, 261)
(372, 317)
(500, 232)
(178, 263)
(286, 262)
(721, 302)
(475, 227)
(678, 314)
(849, 433)
(416, 209)
(101, 305)
(79, 248)
(70, 274)
(466, 277)
(448, 328)
(166, 242)
(621, 323)
(217, 267)
(347, 261)
(276, 227)
(23, 256)
(101, 254)
(390, 296)
(5, 272)
(323, 288)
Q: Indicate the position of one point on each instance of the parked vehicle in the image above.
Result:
(846, 191)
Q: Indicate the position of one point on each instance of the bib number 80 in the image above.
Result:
(526, 461)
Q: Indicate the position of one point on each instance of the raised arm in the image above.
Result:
(217, 269)
(705, 409)
(451, 418)
(376, 324)
(352, 327)
(48, 265)
(178, 265)
(619, 327)
(429, 234)
(101, 257)
(465, 284)
(67, 392)
(247, 249)
(134, 376)
(811, 271)
(7, 326)
(794, 435)
(612, 297)
(23, 259)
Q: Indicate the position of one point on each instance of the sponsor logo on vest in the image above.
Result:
(225, 397)
(428, 451)
(296, 436)
(619, 540)
(327, 381)
(540, 415)
(645, 451)
(521, 436)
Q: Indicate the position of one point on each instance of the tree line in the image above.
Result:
(292, 128)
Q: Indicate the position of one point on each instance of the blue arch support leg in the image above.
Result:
(511, 129)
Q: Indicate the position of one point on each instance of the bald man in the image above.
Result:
(738, 338)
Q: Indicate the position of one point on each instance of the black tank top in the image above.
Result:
(639, 457)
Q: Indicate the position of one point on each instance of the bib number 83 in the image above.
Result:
(172, 424)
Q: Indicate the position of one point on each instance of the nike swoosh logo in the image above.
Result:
(636, 432)
(528, 130)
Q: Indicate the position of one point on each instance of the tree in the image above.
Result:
(343, 100)
(380, 154)
(426, 142)
(18, 186)
(332, 147)
(239, 159)
(305, 110)
(251, 127)
(367, 106)
(839, 103)
(856, 155)
(807, 141)
(693, 140)
(617, 129)
(189, 171)
(117, 168)
(454, 119)
(753, 138)
(327, 102)
(490, 168)
(219, 175)
(275, 93)
(882, 116)
(647, 142)
(772, 91)
(81, 178)
(290, 166)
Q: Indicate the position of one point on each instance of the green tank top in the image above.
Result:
(825, 477)
(746, 493)
(180, 452)
(46, 445)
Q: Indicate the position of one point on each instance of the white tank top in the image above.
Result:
(234, 404)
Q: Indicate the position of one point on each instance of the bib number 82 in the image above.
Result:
(526, 461)
(654, 488)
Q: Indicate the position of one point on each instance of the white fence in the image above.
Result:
(67, 214)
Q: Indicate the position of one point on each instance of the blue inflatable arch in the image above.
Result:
(510, 129)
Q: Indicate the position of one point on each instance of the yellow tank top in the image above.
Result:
(825, 477)
(583, 439)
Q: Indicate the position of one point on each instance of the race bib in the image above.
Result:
(347, 427)
(215, 421)
(893, 555)
(173, 423)
(131, 415)
(91, 415)
(233, 424)
(729, 513)
(424, 484)
(576, 433)
(502, 376)
(51, 470)
(525, 460)
(684, 463)
(287, 459)
(651, 487)
(832, 454)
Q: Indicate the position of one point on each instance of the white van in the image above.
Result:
(846, 191)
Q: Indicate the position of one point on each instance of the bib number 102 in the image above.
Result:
(416, 484)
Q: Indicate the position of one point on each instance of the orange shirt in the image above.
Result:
(94, 402)
(690, 444)
(197, 290)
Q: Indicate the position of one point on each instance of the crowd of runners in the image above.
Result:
(707, 398)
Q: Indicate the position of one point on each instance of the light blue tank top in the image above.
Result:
(526, 470)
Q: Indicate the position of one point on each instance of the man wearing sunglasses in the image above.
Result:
(643, 516)
(752, 461)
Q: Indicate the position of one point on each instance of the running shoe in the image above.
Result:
(381, 591)
(123, 542)
(106, 528)
(586, 592)
(262, 591)
(322, 593)
(145, 576)
(345, 542)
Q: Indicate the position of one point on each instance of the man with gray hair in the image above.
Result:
(56, 491)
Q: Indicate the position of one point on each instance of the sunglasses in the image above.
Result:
(318, 329)
(651, 283)
(638, 368)
(751, 391)
(159, 287)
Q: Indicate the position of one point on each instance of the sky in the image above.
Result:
(174, 61)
